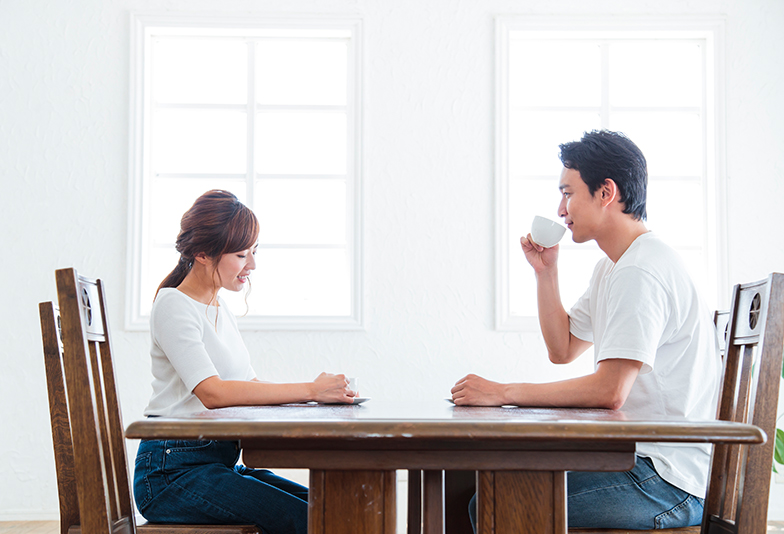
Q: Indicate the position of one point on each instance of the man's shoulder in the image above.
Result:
(651, 258)
(650, 254)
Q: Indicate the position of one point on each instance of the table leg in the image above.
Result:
(352, 502)
(521, 502)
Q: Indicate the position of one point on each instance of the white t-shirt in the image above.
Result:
(646, 308)
(187, 347)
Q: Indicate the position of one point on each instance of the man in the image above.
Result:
(654, 341)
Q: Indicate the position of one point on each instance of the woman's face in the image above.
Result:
(234, 268)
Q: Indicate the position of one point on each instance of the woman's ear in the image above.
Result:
(202, 258)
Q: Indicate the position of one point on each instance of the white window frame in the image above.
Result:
(711, 30)
(142, 24)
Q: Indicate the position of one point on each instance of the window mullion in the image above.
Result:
(605, 53)
(250, 171)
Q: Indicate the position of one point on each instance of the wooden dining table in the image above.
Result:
(521, 455)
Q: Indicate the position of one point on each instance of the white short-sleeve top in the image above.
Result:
(188, 346)
(646, 308)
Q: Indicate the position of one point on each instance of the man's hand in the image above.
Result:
(540, 258)
(476, 391)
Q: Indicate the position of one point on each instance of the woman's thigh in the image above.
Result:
(214, 493)
(636, 499)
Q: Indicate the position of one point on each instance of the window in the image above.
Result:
(654, 82)
(268, 110)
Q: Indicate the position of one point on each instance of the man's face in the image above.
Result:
(580, 209)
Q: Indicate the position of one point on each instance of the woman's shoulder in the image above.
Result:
(171, 300)
(168, 295)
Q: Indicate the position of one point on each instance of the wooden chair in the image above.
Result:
(739, 484)
(721, 318)
(87, 430)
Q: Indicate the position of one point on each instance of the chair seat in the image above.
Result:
(160, 528)
(143, 526)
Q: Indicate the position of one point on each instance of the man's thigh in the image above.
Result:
(636, 499)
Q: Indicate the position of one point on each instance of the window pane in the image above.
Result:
(157, 264)
(671, 141)
(696, 265)
(301, 211)
(675, 211)
(575, 267)
(656, 74)
(170, 198)
(545, 73)
(534, 137)
(302, 72)
(200, 71)
(301, 143)
(300, 282)
(198, 141)
(528, 198)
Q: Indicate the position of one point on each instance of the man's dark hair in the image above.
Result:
(603, 154)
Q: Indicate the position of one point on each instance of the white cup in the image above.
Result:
(352, 385)
(545, 232)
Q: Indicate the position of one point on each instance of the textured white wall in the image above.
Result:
(428, 196)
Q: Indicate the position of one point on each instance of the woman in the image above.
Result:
(200, 361)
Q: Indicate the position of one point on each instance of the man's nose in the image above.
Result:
(562, 209)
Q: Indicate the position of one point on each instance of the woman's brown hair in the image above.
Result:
(217, 224)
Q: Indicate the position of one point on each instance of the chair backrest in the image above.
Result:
(58, 412)
(91, 463)
(721, 318)
(737, 499)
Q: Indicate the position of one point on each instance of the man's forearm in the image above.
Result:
(608, 387)
(553, 319)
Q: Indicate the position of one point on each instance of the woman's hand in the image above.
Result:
(332, 388)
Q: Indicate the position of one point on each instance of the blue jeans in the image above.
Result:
(636, 500)
(200, 482)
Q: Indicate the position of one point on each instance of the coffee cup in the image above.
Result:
(546, 232)
(352, 385)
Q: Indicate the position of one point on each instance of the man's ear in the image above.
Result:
(609, 192)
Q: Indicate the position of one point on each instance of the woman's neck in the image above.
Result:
(199, 286)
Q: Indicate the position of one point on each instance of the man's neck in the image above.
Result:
(620, 237)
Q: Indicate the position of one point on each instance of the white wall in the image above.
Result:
(428, 191)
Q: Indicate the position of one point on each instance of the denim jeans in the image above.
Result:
(200, 482)
(636, 500)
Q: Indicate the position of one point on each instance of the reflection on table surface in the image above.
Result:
(433, 420)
